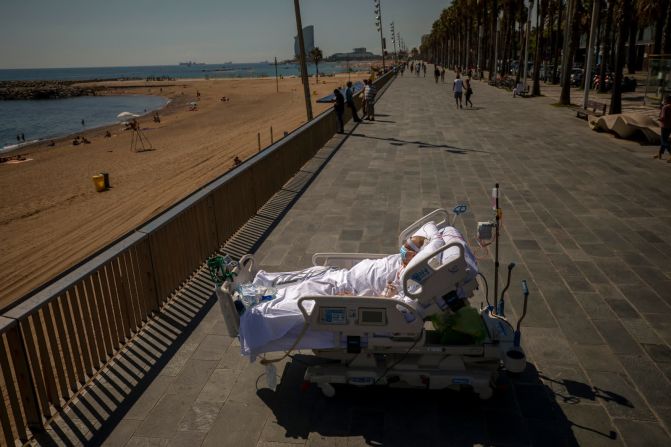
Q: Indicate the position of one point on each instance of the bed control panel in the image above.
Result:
(360, 315)
(369, 316)
(333, 315)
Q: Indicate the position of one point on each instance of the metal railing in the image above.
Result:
(56, 340)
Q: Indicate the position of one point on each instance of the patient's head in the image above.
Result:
(411, 247)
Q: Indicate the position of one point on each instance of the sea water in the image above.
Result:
(209, 71)
(49, 118)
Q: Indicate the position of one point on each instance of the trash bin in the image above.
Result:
(106, 177)
(99, 182)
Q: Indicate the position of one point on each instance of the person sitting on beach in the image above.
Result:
(51, 143)
(85, 141)
(108, 134)
(237, 161)
(76, 142)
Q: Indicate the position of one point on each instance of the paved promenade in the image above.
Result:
(587, 219)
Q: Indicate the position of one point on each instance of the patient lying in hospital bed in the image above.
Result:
(274, 325)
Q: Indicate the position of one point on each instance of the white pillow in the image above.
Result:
(428, 230)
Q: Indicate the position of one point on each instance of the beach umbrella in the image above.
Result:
(126, 116)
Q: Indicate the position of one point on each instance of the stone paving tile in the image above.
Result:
(642, 433)
(122, 433)
(591, 426)
(597, 330)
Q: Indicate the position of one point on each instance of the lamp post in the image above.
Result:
(304, 65)
(393, 40)
(378, 24)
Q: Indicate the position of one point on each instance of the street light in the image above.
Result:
(393, 40)
(378, 24)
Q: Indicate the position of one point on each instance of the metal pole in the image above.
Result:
(590, 51)
(304, 66)
(526, 46)
(277, 82)
(496, 250)
(382, 41)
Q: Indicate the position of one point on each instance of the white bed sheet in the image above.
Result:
(274, 325)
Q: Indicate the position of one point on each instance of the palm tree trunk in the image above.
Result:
(540, 22)
(659, 27)
(606, 46)
(631, 50)
(623, 26)
(495, 20)
(570, 36)
(558, 42)
(666, 38)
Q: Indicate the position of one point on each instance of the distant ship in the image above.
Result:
(228, 63)
(190, 63)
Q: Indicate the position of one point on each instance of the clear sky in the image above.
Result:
(91, 33)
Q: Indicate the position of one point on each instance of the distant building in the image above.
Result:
(356, 54)
(308, 40)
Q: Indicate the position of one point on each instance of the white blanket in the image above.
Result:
(273, 325)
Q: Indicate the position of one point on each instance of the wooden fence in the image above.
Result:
(59, 337)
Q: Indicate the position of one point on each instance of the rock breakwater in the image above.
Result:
(13, 90)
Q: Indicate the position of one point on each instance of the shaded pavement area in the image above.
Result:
(585, 217)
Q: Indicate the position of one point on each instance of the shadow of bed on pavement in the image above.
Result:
(522, 412)
(397, 142)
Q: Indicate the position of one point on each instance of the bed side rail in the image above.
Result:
(343, 260)
(436, 280)
(440, 217)
(359, 315)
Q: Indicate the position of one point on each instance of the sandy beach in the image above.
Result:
(51, 217)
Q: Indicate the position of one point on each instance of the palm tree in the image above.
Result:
(624, 20)
(317, 56)
(540, 39)
(571, 33)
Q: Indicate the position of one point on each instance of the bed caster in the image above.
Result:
(327, 389)
(486, 393)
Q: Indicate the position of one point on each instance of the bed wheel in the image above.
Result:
(327, 389)
(486, 393)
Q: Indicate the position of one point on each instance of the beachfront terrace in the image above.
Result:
(597, 332)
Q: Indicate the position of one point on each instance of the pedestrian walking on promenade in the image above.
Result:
(436, 73)
(424, 68)
(442, 75)
(369, 92)
(349, 98)
(339, 108)
(364, 100)
(458, 89)
(469, 91)
(665, 122)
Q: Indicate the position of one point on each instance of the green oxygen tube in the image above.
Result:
(495, 194)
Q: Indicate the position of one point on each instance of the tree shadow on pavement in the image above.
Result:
(398, 142)
(522, 412)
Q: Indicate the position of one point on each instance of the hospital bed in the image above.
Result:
(384, 341)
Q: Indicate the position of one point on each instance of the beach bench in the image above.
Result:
(595, 106)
